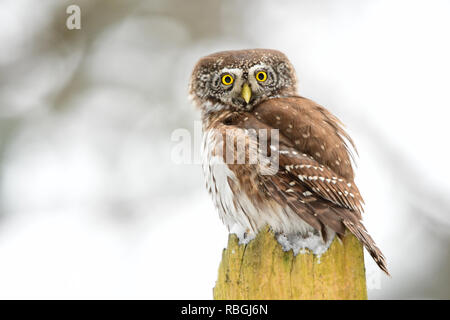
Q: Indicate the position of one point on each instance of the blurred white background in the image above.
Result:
(91, 204)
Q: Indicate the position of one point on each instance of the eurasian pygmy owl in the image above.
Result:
(312, 192)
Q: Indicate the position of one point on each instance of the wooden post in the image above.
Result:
(262, 270)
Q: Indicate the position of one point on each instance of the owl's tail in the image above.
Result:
(360, 232)
(339, 219)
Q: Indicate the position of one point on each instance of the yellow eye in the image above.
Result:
(227, 79)
(261, 76)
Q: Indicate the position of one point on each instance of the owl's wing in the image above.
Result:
(312, 148)
(315, 176)
(322, 180)
(311, 129)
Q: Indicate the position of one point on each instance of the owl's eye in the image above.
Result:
(261, 76)
(227, 79)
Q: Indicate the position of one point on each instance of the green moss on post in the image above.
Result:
(262, 270)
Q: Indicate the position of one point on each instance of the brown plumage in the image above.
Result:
(314, 179)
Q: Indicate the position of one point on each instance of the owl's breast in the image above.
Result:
(219, 180)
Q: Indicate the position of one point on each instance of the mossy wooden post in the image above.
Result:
(262, 270)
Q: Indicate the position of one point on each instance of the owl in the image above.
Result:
(301, 181)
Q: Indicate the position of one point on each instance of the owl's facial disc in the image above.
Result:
(241, 79)
(243, 88)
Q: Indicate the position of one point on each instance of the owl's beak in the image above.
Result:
(246, 92)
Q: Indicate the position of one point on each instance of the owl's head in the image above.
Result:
(241, 79)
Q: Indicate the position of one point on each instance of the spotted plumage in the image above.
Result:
(311, 190)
